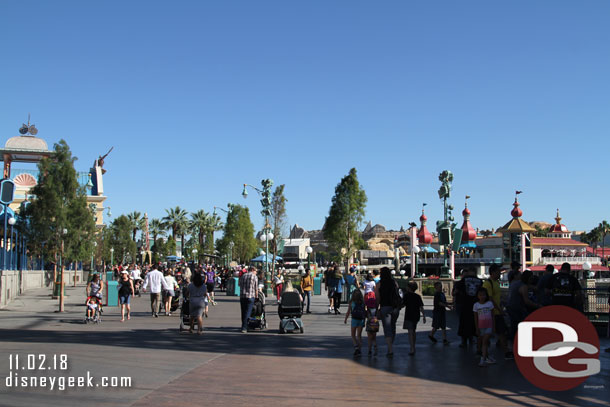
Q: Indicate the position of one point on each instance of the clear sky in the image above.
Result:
(199, 97)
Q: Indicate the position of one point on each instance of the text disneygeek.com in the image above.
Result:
(25, 372)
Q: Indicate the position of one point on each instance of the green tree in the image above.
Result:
(176, 220)
(540, 231)
(156, 229)
(121, 239)
(59, 203)
(278, 220)
(137, 222)
(347, 210)
(239, 230)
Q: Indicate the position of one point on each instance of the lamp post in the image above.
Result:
(586, 266)
(195, 255)
(416, 251)
(92, 256)
(61, 262)
(112, 257)
(11, 221)
(309, 250)
(265, 194)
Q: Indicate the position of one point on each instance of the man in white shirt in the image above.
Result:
(156, 280)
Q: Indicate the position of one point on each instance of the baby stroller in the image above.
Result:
(185, 314)
(97, 318)
(290, 312)
(257, 317)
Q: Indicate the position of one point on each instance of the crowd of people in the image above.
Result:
(374, 300)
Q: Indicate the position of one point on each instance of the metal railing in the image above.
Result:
(571, 260)
(596, 302)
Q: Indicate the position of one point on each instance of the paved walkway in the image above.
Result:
(226, 367)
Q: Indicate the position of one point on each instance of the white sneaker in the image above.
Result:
(482, 362)
(489, 360)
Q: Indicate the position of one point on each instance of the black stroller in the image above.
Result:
(290, 311)
(258, 318)
(185, 313)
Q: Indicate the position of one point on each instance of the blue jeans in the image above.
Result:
(306, 296)
(246, 311)
(389, 316)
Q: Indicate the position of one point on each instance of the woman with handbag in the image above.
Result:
(389, 300)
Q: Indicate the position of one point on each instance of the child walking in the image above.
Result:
(372, 327)
(414, 305)
(484, 323)
(439, 320)
(357, 310)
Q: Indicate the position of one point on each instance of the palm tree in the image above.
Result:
(604, 229)
(214, 225)
(199, 224)
(156, 229)
(137, 222)
(175, 220)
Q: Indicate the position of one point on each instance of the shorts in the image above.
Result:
(210, 287)
(357, 323)
(125, 299)
(439, 320)
(331, 293)
(485, 331)
(168, 293)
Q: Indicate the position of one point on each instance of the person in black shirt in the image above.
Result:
(465, 291)
(565, 289)
(413, 306)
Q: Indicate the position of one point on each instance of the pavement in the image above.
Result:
(225, 367)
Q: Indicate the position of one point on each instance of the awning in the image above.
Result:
(263, 259)
(469, 245)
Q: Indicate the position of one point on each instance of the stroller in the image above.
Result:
(185, 315)
(290, 311)
(98, 312)
(258, 318)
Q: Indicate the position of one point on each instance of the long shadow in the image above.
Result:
(433, 362)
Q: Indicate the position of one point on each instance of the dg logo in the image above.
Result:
(557, 348)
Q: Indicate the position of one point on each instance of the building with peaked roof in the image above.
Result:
(469, 235)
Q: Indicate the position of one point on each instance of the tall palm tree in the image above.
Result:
(199, 224)
(175, 220)
(137, 222)
(604, 229)
(214, 225)
(156, 229)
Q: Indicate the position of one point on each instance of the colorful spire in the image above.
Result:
(468, 232)
(424, 235)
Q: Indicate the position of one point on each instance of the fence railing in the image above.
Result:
(572, 260)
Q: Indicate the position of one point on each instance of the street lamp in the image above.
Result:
(230, 259)
(111, 257)
(11, 221)
(309, 250)
(416, 250)
(195, 255)
(586, 266)
(301, 270)
(265, 194)
(92, 254)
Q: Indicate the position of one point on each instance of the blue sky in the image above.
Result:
(199, 97)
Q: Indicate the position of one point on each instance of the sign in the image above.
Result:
(557, 348)
(7, 189)
(457, 239)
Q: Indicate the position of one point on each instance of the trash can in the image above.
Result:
(233, 287)
(112, 290)
(317, 286)
(109, 275)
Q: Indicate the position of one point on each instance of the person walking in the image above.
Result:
(248, 285)
(564, 289)
(492, 285)
(543, 297)
(210, 283)
(351, 282)
(339, 287)
(278, 284)
(439, 317)
(171, 292)
(95, 287)
(126, 290)
(357, 310)
(307, 287)
(155, 279)
(198, 300)
(466, 293)
(484, 324)
(386, 292)
(414, 305)
(369, 291)
(519, 301)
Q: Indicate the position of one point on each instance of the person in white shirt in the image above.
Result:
(156, 281)
(169, 293)
(137, 279)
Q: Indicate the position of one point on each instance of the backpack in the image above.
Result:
(372, 324)
(359, 312)
(397, 297)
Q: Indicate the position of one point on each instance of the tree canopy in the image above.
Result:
(346, 213)
(239, 230)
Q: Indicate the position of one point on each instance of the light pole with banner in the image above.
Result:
(7, 189)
